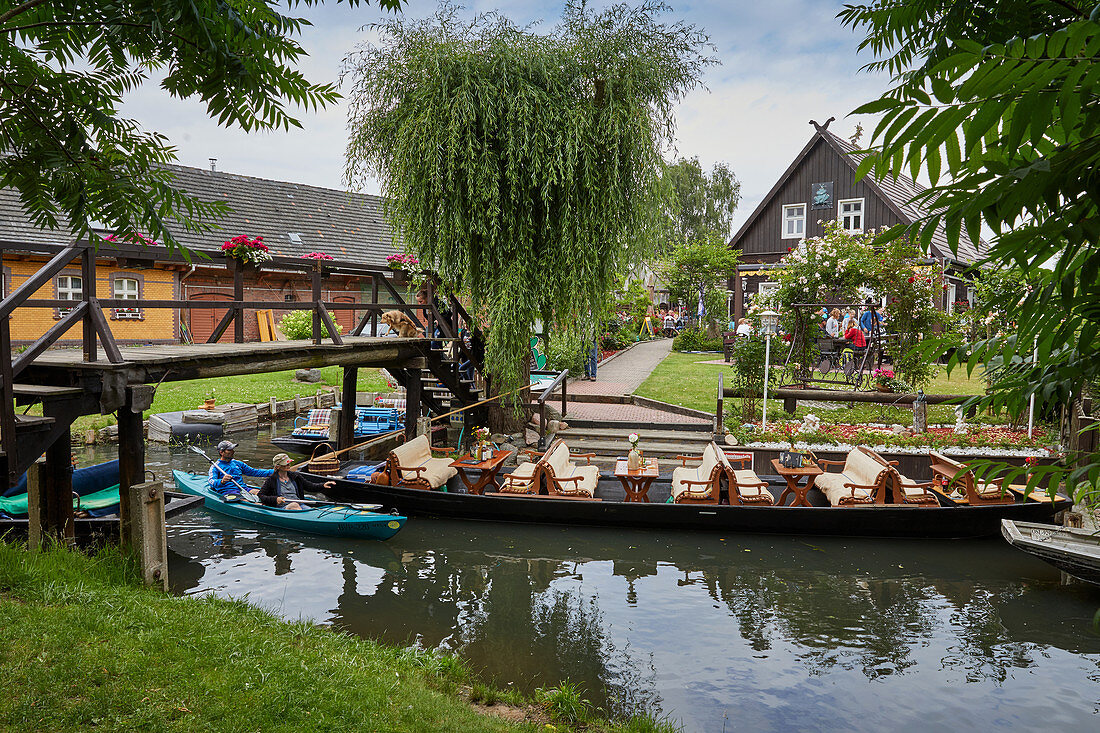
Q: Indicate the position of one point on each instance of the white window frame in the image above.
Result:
(841, 215)
(952, 292)
(127, 314)
(767, 290)
(68, 292)
(787, 218)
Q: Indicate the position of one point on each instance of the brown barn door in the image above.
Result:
(344, 318)
(205, 320)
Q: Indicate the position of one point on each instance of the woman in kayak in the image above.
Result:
(285, 488)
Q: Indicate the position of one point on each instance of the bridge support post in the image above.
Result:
(345, 430)
(49, 497)
(131, 455)
(145, 507)
(412, 402)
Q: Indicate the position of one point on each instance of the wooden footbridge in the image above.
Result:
(101, 377)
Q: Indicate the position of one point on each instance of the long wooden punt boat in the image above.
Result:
(334, 521)
(890, 520)
(1076, 551)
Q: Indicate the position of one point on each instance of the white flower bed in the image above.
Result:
(908, 449)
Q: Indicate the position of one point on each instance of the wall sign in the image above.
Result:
(821, 195)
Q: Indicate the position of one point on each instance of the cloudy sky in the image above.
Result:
(783, 62)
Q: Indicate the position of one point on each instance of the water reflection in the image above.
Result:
(763, 633)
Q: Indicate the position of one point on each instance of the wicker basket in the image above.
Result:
(326, 465)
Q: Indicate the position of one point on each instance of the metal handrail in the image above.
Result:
(559, 381)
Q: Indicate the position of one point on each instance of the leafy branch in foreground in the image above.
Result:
(998, 101)
(522, 167)
(67, 65)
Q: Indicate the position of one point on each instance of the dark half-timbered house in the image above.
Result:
(821, 186)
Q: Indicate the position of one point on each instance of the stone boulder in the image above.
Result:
(307, 375)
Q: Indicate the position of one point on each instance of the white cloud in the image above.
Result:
(783, 63)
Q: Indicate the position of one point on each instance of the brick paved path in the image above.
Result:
(627, 413)
(626, 372)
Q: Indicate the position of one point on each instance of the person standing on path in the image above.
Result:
(593, 351)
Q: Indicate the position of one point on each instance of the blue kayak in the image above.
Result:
(335, 520)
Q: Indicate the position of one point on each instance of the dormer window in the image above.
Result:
(794, 221)
(851, 215)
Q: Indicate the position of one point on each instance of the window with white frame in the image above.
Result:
(952, 291)
(127, 288)
(69, 287)
(794, 221)
(766, 292)
(851, 214)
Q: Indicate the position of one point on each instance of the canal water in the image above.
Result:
(720, 633)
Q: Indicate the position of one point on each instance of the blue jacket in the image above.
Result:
(237, 470)
(869, 321)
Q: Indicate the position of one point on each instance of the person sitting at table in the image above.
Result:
(855, 335)
(832, 326)
(285, 488)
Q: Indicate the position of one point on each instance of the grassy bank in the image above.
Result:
(681, 380)
(82, 646)
(255, 388)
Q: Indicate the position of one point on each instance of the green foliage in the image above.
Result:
(833, 267)
(702, 204)
(701, 266)
(67, 68)
(566, 351)
(522, 167)
(299, 325)
(747, 357)
(997, 102)
(564, 703)
(631, 306)
(696, 339)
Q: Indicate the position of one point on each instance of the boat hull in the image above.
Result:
(875, 521)
(301, 445)
(1081, 565)
(328, 521)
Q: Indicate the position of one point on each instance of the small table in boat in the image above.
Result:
(488, 469)
(636, 483)
(791, 476)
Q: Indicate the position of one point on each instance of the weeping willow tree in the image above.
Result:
(522, 167)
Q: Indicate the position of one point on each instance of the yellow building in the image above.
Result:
(129, 325)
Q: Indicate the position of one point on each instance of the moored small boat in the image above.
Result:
(95, 492)
(369, 421)
(1076, 551)
(335, 520)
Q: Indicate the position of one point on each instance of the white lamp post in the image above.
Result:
(769, 323)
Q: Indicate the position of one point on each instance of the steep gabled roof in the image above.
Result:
(897, 194)
(348, 226)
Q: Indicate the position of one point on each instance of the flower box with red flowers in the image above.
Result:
(249, 251)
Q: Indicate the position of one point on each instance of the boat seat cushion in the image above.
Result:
(557, 460)
(748, 483)
(521, 485)
(686, 473)
(415, 452)
(590, 476)
(859, 468)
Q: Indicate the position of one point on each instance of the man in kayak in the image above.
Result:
(227, 473)
(284, 488)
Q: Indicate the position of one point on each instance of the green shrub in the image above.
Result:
(565, 352)
(299, 325)
(696, 339)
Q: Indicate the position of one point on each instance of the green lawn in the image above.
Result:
(84, 647)
(254, 388)
(681, 380)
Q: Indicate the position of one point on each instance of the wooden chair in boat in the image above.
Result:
(412, 465)
(957, 475)
(702, 484)
(527, 477)
(903, 489)
(745, 487)
(564, 478)
(861, 480)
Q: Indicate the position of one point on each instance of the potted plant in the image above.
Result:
(483, 451)
(210, 400)
(886, 381)
(247, 251)
(318, 258)
(402, 264)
